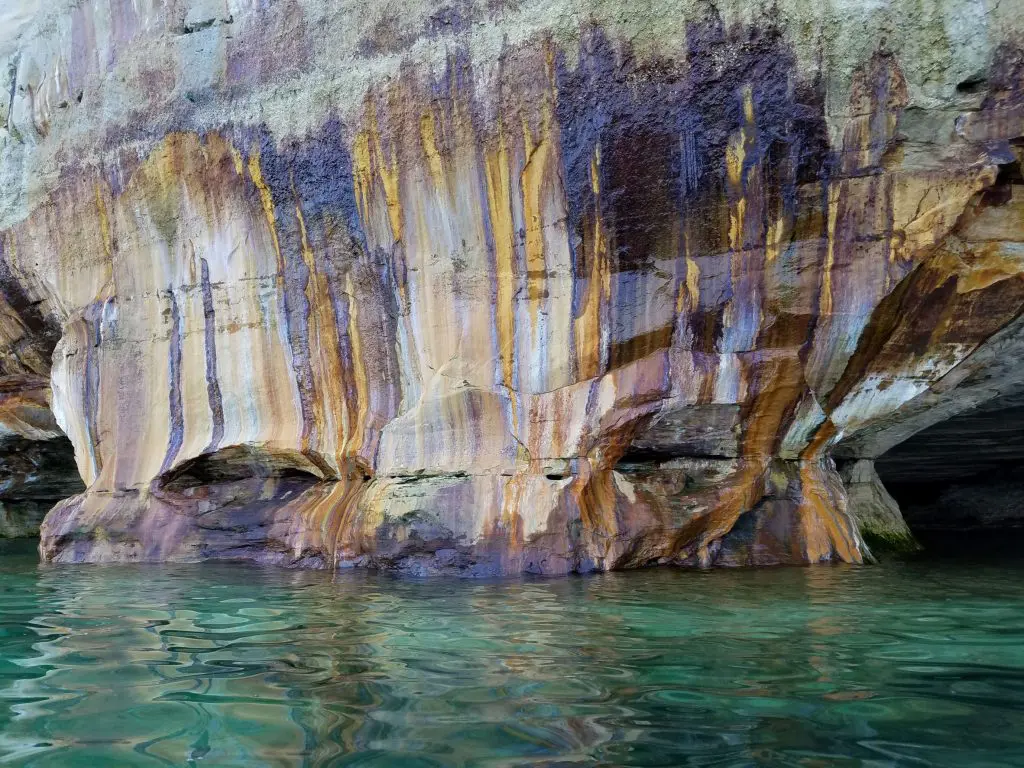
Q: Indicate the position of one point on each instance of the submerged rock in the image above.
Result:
(505, 287)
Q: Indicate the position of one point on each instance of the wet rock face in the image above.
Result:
(503, 288)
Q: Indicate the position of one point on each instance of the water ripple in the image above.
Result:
(904, 664)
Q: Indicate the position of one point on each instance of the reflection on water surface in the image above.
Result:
(918, 663)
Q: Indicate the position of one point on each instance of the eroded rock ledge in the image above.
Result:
(504, 287)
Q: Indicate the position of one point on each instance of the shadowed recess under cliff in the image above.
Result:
(559, 305)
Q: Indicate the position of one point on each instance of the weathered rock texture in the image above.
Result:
(876, 513)
(502, 286)
(37, 463)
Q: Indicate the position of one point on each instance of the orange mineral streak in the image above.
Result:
(328, 396)
(534, 178)
(542, 169)
(189, 194)
(279, 402)
(354, 521)
(431, 151)
(423, 172)
(591, 351)
(370, 165)
(498, 175)
(825, 303)
(740, 494)
(359, 401)
(740, 145)
(267, 202)
(325, 518)
(779, 384)
(104, 222)
(594, 494)
(986, 266)
(508, 527)
(823, 438)
(692, 292)
(776, 238)
(341, 515)
(827, 533)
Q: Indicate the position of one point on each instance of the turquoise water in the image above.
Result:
(917, 663)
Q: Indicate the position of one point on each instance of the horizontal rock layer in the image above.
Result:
(497, 288)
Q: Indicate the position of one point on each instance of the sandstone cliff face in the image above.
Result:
(496, 287)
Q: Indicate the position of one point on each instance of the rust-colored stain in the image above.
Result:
(441, 328)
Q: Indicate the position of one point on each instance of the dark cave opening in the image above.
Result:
(241, 463)
(34, 476)
(975, 84)
(962, 475)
